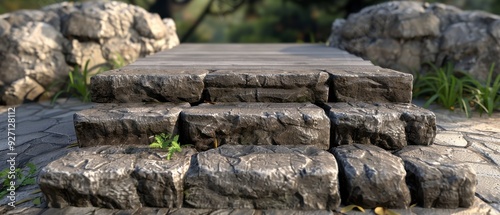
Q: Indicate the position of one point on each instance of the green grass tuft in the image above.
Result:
(455, 89)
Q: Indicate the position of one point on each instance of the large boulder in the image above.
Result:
(405, 35)
(39, 47)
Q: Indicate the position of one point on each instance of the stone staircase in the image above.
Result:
(272, 126)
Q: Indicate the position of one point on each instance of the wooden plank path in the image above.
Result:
(252, 73)
(251, 56)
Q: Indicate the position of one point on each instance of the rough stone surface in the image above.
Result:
(256, 124)
(126, 124)
(267, 86)
(389, 126)
(436, 180)
(263, 177)
(404, 35)
(482, 135)
(118, 179)
(371, 177)
(369, 84)
(148, 85)
(43, 45)
(162, 211)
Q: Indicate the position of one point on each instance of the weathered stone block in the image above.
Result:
(371, 177)
(125, 124)
(267, 86)
(263, 177)
(369, 84)
(135, 84)
(139, 178)
(256, 124)
(389, 126)
(436, 180)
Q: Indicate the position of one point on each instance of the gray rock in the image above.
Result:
(389, 126)
(126, 124)
(29, 88)
(256, 124)
(4, 27)
(267, 86)
(115, 180)
(371, 177)
(436, 180)
(263, 177)
(131, 84)
(45, 44)
(405, 35)
(150, 25)
(369, 84)
(80, 52)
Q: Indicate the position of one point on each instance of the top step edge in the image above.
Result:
(358, 70)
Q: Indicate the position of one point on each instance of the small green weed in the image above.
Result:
(453, 89)
(22, 177)
(77, 85)
(166, 141)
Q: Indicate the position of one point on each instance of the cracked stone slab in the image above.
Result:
(371, 177)
(369, 84)
(255, 124)
(451, 138)
(387, 125)
(267, 86)
(488, 186)
(129, 178)
(128, 85)
(263, 177)
(436, 180)
(133, 123)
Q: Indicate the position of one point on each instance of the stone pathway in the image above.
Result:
(46, 133)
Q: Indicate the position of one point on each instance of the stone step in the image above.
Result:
(252, 177)
(265, 73)
(263, 177)
(116, 177)
(387, 125)
(390, 126)
(371, 177)
(255, 124)
(257, 177)
(438, 181)
(133, 123)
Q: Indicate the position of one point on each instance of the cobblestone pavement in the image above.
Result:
(45, 133)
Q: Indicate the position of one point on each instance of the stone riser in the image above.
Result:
(339, 84)
(390, 126)
(257, 177)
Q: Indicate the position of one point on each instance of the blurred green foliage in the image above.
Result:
(253, 20)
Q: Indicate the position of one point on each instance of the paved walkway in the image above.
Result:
(45, 133)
